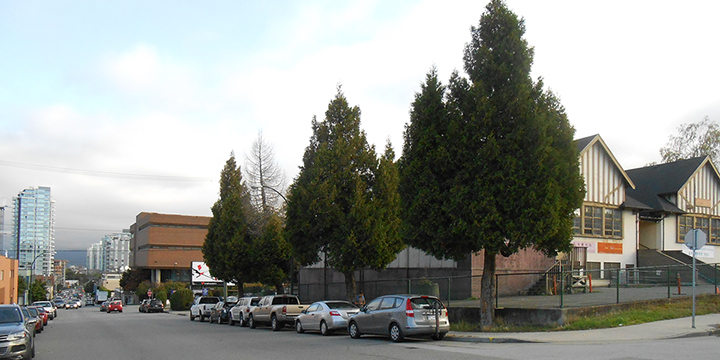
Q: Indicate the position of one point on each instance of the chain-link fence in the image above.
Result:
(551, 289)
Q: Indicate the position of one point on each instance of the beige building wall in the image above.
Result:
(8, 280)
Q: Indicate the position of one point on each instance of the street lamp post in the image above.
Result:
(32, 267)
(292, 258)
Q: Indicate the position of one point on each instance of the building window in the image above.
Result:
(709, 225)
(598, 221)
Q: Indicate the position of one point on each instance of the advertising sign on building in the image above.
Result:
(201, 274)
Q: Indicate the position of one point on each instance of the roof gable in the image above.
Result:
(586, 143)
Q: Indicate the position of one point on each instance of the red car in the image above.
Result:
(115, 305)
(41, 310)
(39, 326)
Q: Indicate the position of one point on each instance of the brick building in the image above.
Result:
(167, 244)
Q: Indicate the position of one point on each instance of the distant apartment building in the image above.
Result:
(167, 244)
(59, 268)
(116, 252)
(33, 240)
(111, 254)
(94, 258)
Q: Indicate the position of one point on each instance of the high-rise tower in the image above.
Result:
(34, 230)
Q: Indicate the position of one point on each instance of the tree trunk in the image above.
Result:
(487, 287)
(279, 288)
(350, 289)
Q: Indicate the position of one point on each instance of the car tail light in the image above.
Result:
(409, 312)
(284, 310)
(335, 313)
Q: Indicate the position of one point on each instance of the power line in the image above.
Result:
(104, 174)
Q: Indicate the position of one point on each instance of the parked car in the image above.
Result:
(398, 316)
(39, 325)
(326, 316)
(44, 314)
(49, 307)
(16, 333)
(31, 321)
(201, 307)
(241, 311)
(276, 310)
(144, 305)
(151, 305)
(220, 313)
(104, 305)
(115, 305)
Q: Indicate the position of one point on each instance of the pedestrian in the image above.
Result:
(360, 301)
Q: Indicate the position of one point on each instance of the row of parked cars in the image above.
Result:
(396, 316)
(20, 324)
(111, 305)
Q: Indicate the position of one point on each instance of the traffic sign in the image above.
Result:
(695, 239)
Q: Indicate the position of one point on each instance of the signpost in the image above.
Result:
(694, 239)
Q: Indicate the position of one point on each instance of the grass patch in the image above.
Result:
(635, 314)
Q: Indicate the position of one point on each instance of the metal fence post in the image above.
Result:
(497, 290)
(409, 287)
(668, 273)
(448, 285)
(617, 284)
(562, 287)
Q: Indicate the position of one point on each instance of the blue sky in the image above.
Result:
(170, 88)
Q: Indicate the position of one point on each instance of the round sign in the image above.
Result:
(695, 239)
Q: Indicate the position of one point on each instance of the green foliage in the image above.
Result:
(693, 140)
(226, 248)
(89, 287)
(131, 278)
(344, 201)
(162, 296)
(181, 299)
(142, 288)
(22, 285)
(489, 163)
(271, 253)
(38, 291)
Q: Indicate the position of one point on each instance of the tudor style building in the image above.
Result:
(605, 225)
(680, 196)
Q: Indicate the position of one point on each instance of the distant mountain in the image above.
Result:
(74, 257)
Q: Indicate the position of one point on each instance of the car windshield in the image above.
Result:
(9, 315)
(341, 305)
(33, 311)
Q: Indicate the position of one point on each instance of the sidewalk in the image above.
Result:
(705, 325)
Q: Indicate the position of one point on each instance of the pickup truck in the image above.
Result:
(202, 306)
(276, 310)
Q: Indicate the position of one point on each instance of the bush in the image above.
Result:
(181, 299)
(162, 296)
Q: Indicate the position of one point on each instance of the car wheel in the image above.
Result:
(274, 323)
(298, 327)
(219, 321)
(438, 336)
(251, 322)
(202, 318)
(231, 322)
(396, 334)
(242, 322)
(192, 317)
(324, 328)
(354, 331)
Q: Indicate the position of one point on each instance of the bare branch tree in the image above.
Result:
(697, 139)
(264, 176)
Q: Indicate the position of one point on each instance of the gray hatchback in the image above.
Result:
(398, 316)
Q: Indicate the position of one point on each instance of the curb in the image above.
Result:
(488, 340)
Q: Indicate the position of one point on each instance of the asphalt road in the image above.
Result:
(87, 334)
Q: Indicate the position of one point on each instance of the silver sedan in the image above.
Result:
(326, 316)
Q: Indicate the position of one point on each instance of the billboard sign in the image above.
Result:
(201, 274)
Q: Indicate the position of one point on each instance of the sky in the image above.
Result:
(135, 106)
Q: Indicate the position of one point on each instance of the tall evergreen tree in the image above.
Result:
(489, 163)
(227, 247)
(344, 203)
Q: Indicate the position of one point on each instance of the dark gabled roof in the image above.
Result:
(584, 142)
(632, 203)
(657, 180)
